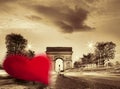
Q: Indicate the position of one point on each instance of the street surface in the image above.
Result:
(70, 80)
(90, 80)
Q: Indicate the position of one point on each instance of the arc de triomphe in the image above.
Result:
(61, 57)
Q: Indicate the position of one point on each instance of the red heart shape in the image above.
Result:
(35, 69)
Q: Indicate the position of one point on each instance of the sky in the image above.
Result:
(61, 23)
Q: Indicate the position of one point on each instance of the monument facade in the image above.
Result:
(61, 57)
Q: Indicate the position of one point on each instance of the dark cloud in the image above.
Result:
(69, 29)
(91, 1)
(65, 27)
(68, 19)
(6, 1)
(7, 5)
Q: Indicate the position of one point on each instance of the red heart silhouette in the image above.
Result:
(35, 69)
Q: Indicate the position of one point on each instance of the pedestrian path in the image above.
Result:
(53, 82)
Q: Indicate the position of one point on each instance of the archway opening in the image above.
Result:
(58, 65)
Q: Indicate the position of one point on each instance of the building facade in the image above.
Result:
(61, 57)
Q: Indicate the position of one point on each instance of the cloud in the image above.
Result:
(67, 15)
(34, 18)
(7, 6)
(5, 1)
(67, 19)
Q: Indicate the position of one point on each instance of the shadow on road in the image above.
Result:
(65, 82)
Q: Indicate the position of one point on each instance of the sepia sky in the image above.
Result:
(69, 23)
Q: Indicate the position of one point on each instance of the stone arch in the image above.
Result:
(63, 53)
(59, 64)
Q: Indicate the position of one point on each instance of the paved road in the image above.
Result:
(73, 80)
(87, 81)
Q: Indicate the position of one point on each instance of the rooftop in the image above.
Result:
(60, 49)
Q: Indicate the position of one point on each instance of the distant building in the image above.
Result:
(61, 57)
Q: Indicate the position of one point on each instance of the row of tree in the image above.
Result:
(104, 51)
